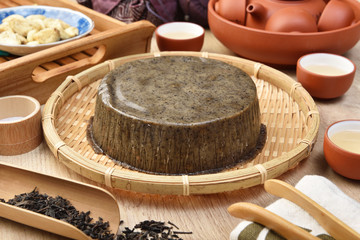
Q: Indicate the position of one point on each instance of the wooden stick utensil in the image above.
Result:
(255, 213)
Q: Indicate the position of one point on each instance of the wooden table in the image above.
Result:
(205, 215)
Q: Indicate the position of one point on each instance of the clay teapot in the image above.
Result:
(257, 12)
(260, 11)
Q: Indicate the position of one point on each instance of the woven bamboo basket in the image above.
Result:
(288, 111)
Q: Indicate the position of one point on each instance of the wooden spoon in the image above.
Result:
(255, 213)
(84, 197)
(334, 226)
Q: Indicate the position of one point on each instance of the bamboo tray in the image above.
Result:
(40, 73)
(287, 110)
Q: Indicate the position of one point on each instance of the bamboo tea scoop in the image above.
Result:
(84, 197)
(334, 226)
(255, 213)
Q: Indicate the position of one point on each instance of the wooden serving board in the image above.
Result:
(40, 73)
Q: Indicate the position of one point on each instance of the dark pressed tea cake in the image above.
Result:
(176, 115)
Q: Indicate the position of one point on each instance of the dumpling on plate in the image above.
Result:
(47, 35)
(10, 38)
(14, 16)
(38, 24)
(59, 25)
(22, 27)
(51, 22)
(30, 35)
(35, 17)
(33, 43)
(71, 32)
(5, 27)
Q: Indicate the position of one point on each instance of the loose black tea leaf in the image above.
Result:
(172, 224)
(150, 229)
(180, 232)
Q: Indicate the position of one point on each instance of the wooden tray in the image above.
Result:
(39, 74)
(287, 110)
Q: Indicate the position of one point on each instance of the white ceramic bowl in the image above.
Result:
(71, 17)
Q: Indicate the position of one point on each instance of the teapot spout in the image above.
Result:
(256, 10)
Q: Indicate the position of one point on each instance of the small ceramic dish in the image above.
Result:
(325, 75)
(341, 148)
(20, 124)
(71, 17)
(180, 36)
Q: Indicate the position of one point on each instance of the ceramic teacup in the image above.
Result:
(325, 75)
(341, 148)
(180, 36)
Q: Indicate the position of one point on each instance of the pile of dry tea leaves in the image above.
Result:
(62, 209)
(153, 230)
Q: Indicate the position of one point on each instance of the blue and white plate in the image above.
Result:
(71, 17)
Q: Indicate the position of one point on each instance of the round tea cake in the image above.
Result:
(176, 115)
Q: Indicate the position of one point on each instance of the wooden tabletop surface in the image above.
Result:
(205, 215)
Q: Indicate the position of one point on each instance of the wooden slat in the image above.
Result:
(21, 2)
(8, 4)
(50, 65)
(65, 61)
(80, 55)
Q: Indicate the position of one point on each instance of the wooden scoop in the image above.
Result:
(334, 226)
(84, 197)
